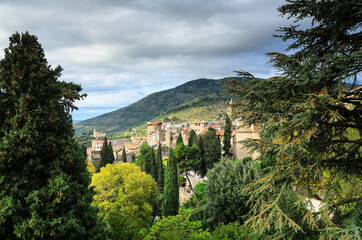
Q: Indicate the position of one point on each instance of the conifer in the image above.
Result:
(124, 155)
(171, 191)
(179, 139)
(160, 170)
(227, 138)
(110, 153)
(44, 183)
(192, 138)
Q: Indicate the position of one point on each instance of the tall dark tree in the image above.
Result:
(124, 155)
(44, 183)
(212, 148)
(179, 139)
(160, 170)
(110, 153)
(170, 204)
(202, 170)
(311, 118)
(227, 138)
(192, 138)
(104, 158)
(154, 168)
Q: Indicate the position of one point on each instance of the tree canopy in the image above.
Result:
(170, 204)
(124, 196)
(44, 183)
(311, 120)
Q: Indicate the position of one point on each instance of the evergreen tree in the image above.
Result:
(212, 148)
(202, 170)
(179, 139)
(44, 190)
(171, 190)
(124, 155)
(104, 155)
(311, 122)
(160, 170)
(227, 137)
(110, 153)
(192, 138)
(154, 168)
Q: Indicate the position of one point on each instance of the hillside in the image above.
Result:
(199, 93)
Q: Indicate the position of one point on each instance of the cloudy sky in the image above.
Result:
(122, 50)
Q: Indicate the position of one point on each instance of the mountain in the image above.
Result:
(200, 92)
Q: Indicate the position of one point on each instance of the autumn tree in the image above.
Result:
(124, 196)
(44, 183)
(311, 118)
(170, 204)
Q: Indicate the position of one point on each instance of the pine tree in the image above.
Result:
(179, 139)
(44, 183)
(160, 170)
(124, 156)
(171, 190)
(192, 138)
(110, 153)
(311, 122)
(227, 137)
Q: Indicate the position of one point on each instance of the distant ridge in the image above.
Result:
(154, 105)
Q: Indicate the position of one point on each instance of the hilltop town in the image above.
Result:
(166, 133)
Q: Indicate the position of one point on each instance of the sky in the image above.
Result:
(122, 50)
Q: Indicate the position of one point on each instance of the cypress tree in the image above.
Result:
(44, 183)
(203, 165)
(124, 156)
(104, 155)
(154, 169)
(160, 170)
(192, 138)
(179, 139)
(110, 153)
(227, 137)
(171, 190)
(212, 148)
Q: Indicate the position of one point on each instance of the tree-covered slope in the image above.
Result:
(155, 105)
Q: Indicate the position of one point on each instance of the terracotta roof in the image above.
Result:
(155, 123)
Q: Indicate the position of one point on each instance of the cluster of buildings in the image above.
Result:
(167, 133)
(131, 146)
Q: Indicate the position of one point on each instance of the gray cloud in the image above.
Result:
(122, 50)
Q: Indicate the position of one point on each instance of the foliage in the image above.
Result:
(227, 137)
(91, 168)
(124, 196)
(124, 155)
(179, 139)
(203, 165)
(233, 231)
(212, 148)
(192, 138)
(187, 160)
(106, 157)
(227, 203)
(44, 183)
(144, 158)
(160, 170)
(307, 114)
(177, 227)
(170, 204)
